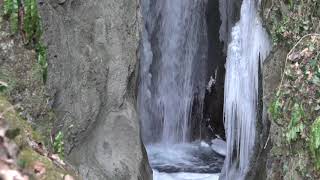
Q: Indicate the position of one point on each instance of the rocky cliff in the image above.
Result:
(291, 89)
(92, 57)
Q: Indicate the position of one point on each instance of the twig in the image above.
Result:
(265, 146)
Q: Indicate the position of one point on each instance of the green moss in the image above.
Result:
(16, 122)
(28, 158)
(21, 130)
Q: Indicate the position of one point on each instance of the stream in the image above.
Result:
(185, 161)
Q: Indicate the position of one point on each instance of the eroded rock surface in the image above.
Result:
(92, 58)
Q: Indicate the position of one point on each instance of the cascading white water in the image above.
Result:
(172, 80)
(249, 44)
(172, 75)
(172, 66)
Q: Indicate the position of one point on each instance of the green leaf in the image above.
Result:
(314, 142)
(316, 80)
(58, 144)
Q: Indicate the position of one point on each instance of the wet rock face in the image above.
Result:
(221, 17)
(213, 103)
(272, 71)
(92, 59)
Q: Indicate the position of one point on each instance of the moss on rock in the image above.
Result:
(294, 105)
(28, 158)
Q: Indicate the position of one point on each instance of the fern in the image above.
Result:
(275, 109)
(32, 22)
(315, 141)
(11, 9)
(295, 126)
(58, 144)
(31, 27)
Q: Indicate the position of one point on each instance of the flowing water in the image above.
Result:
(249, 45)
(173, 57)
(172, 78)
(172, 74)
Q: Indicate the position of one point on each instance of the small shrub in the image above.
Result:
(58, 144)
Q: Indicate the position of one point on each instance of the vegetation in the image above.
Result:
(25, 19)
(295, 109)
(315, 141)
(33, 160)
(11, 11)
(23, 81)
(291, 20)
(58, 144)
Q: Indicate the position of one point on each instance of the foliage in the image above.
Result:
(32, 21)
(295, 126)
(315, 141)
(290, 22)
(297, 104)
(58, 144)
(42, 60)
(32, 28)
(275, 109)
(3, 86)
(11, 11)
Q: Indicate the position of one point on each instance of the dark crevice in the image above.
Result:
(214, 97)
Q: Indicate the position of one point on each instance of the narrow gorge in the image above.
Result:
(179, 70)
(160, 89)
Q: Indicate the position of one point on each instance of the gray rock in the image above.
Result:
(61, 1)
(92, 58)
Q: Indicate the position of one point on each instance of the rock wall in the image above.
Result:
(289, 23)
(221, 16)
(92, 59)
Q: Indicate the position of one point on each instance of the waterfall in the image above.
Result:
(249, 44)
(172, 68)
(172, 78)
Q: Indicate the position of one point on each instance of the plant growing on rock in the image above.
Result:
(25, 19)
(10, 9)
(291, 20)
(296, 107)
(58, 144)
(315, 141)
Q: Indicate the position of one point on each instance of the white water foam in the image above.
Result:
(183, 157)
(249, 44)
(183, 176)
